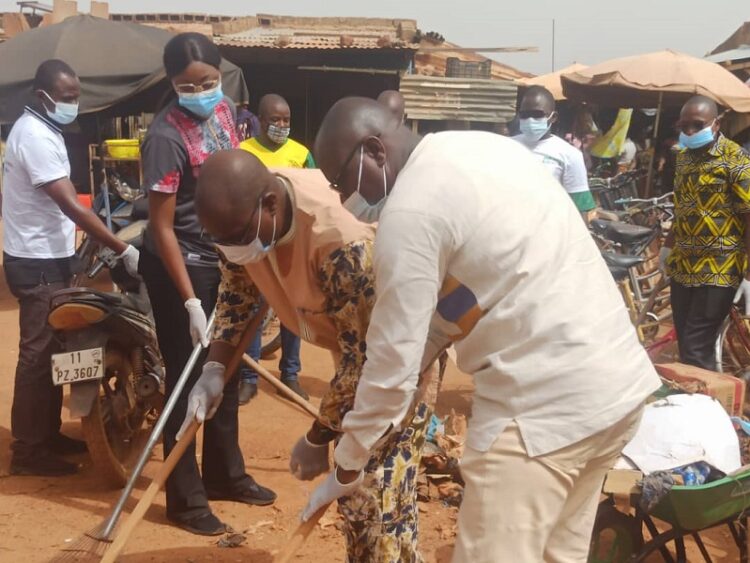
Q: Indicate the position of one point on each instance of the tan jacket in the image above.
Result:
(289, 277)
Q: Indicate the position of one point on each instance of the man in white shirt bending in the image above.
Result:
(537, 115)
(40, 212)
(477, 246)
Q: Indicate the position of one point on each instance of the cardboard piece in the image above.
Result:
(727, 389)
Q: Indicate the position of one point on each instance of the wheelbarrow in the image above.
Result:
(618, 537)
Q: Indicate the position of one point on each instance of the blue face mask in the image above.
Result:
(534, 128)
(698, 140)
(202, 104)
(64, 113)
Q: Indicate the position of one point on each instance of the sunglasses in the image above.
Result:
(197, 88)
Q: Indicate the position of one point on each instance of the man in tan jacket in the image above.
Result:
(285, 236)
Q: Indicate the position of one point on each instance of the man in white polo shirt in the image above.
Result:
(477, 246)
(40, 212)
(536, 116)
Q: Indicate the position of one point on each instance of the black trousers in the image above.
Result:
(222, 462)
(698, 313)
(37, 403)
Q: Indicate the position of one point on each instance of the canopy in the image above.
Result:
(646, 80)
(551, 81)
(115, 61)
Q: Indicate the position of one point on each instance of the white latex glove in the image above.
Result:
(664, 253)
(743, 291)
(308, 460)
(130, 257)
(198, 322)
(328, 491)
(205, 396)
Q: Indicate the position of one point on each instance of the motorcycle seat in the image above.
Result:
(623, 233)
(618, 273)
(625, 261)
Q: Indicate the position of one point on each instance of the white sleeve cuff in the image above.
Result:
(350, 454)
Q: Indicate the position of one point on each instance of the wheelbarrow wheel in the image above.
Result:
(616, 537)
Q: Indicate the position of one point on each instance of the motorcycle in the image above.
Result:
(118, 204)
(111, 362)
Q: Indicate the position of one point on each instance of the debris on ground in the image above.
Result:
(439, 476)
(232, 539)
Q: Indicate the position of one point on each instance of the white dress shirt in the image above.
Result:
(472, 245)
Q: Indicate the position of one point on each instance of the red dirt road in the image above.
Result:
(40, 516)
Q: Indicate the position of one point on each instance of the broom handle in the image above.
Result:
(295, 541)
(156, 432)
(307, 406)
(303, 530)
(180, 447)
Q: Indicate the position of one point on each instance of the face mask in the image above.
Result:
(64, 113)
(534, 128)
(358, 206)
(250, 253)
(698, 140)
(202, 104)
(278, 135)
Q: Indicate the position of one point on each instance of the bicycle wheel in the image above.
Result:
(733, 345)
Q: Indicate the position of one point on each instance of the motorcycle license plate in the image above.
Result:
(80, 365)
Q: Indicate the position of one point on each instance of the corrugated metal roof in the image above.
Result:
(739, 54)
(459, 99)
(316, 38)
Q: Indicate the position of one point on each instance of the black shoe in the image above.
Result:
(247, 391)
(294, 386)
(65, 445)
(255, 494)
(41, 464)
(203, 525)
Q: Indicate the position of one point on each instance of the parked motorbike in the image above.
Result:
(111, 361)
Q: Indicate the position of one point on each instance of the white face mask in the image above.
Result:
(64, 113)
(358, 206)
(255, 251)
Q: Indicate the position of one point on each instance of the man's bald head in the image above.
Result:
(698, 113)
(348, 123)
(702, 104)
(537, 99)
(383, 141)
(394, 101)
(271, 104)
(229, 187)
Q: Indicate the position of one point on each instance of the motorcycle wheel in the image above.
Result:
(113, 449)
(270, 340)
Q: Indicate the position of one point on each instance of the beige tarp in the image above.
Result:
(638, 81)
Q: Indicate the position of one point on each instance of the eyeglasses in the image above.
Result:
(243, 240)
(197, 88)
(334, 185)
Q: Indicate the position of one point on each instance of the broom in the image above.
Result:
(91, 545)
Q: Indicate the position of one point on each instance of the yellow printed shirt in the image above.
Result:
(346, 277)
(289, 155)
(712, 192)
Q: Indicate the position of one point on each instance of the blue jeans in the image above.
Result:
(289, 365)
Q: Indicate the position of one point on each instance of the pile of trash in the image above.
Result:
(439, 476)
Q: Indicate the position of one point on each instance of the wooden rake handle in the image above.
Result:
(179, 448)
(305, 405)
(299, 536)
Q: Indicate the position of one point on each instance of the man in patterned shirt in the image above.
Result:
(705, 255)
(285, 236)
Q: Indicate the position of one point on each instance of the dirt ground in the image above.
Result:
(40, 516)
